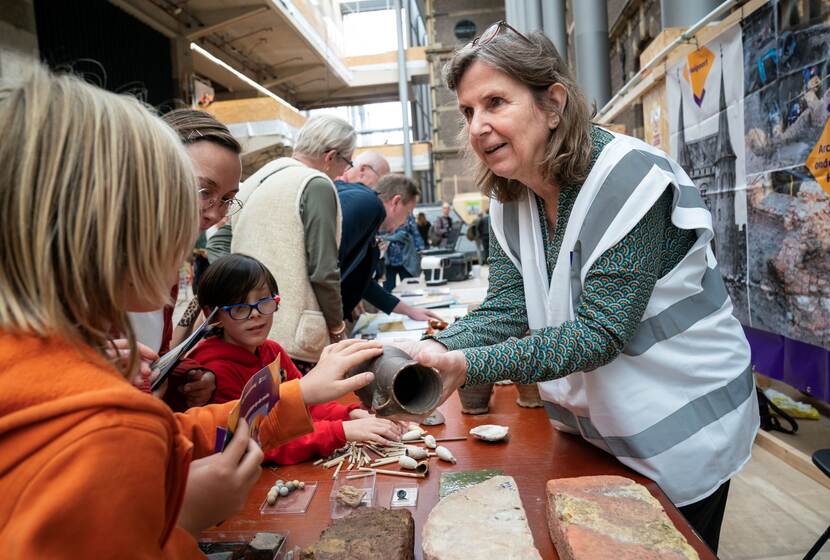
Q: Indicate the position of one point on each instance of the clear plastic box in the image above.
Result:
(295, 502)
(366, 483)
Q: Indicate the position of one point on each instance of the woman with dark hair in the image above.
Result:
(214, 154)
(603, 252)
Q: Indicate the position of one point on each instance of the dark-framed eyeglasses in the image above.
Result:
(342, 158)
(229, 207)
(372, 169)
(241, 311)
(493, 31)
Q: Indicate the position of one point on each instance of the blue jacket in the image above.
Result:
(404, 244)
(363, 214)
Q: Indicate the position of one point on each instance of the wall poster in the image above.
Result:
(749, 119)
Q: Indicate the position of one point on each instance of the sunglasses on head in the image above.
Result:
(493, 31)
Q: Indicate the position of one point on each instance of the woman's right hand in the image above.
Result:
(451, 366)
(373, 429)
(325, 382)
(218, 485)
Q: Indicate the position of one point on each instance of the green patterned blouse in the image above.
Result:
(617, 289)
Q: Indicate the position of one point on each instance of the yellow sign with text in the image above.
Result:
(818, 162)
(698, 65)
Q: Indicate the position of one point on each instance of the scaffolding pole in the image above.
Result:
(403, 92)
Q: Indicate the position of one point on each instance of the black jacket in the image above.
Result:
(363, 214)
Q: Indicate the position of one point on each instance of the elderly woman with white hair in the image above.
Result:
(602, 249)
(291, 221)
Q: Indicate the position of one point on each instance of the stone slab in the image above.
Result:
(485, 521)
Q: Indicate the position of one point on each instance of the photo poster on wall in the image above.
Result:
(766, 180)
(706, 123)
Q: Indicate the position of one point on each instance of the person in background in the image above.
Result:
(103, 192)
(368, 168)
(402, 258)
(365, 213)
(483, 228)
(441, 227)
(423, 227)
(291, 222)
(200, 260)
(248, 298)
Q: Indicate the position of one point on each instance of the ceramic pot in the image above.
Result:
(475, 399)
(528, 396)
(401, 385)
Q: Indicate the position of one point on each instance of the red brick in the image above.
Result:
(610, 517)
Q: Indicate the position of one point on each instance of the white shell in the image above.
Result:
(444, 454)
(490, 432)
(416, 452)
(411, 435)
(407, 462)
(430, 442)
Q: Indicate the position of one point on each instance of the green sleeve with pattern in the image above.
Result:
(617, 289)
(502, 314)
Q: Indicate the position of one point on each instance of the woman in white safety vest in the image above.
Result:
(602, 249)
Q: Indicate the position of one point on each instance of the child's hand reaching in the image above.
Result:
(359, 413)
(325, 381)
(372, 429)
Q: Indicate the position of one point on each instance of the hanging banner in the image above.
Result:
(706, 125)
(749, 119)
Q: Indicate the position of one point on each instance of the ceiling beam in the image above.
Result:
(291, 74)
(214, 20)
(152, 16)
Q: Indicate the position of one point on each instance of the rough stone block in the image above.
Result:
(367, 534)
(610, 517)
(485, 522)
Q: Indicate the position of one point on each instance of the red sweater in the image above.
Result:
(233, 366)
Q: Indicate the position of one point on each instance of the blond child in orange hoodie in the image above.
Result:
(97, 209)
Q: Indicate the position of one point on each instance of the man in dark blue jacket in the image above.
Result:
(365, 213)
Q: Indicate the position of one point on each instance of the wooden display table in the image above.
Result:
(534, 454)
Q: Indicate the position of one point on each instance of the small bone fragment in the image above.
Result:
(411, 435)
(416, 452)
(394, 473)
(444, 454)
(407, 462)
(350, 496)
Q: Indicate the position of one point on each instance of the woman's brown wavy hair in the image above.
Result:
(537, 65)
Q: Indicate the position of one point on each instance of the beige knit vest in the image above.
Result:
(269, 228)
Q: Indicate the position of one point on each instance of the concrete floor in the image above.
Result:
(774, 512)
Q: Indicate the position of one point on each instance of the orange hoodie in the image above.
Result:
(90, 467)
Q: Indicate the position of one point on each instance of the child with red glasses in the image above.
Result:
(247, 296)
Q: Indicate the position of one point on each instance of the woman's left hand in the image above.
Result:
(451, 366)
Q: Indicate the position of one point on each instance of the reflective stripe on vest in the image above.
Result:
(669, 431)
